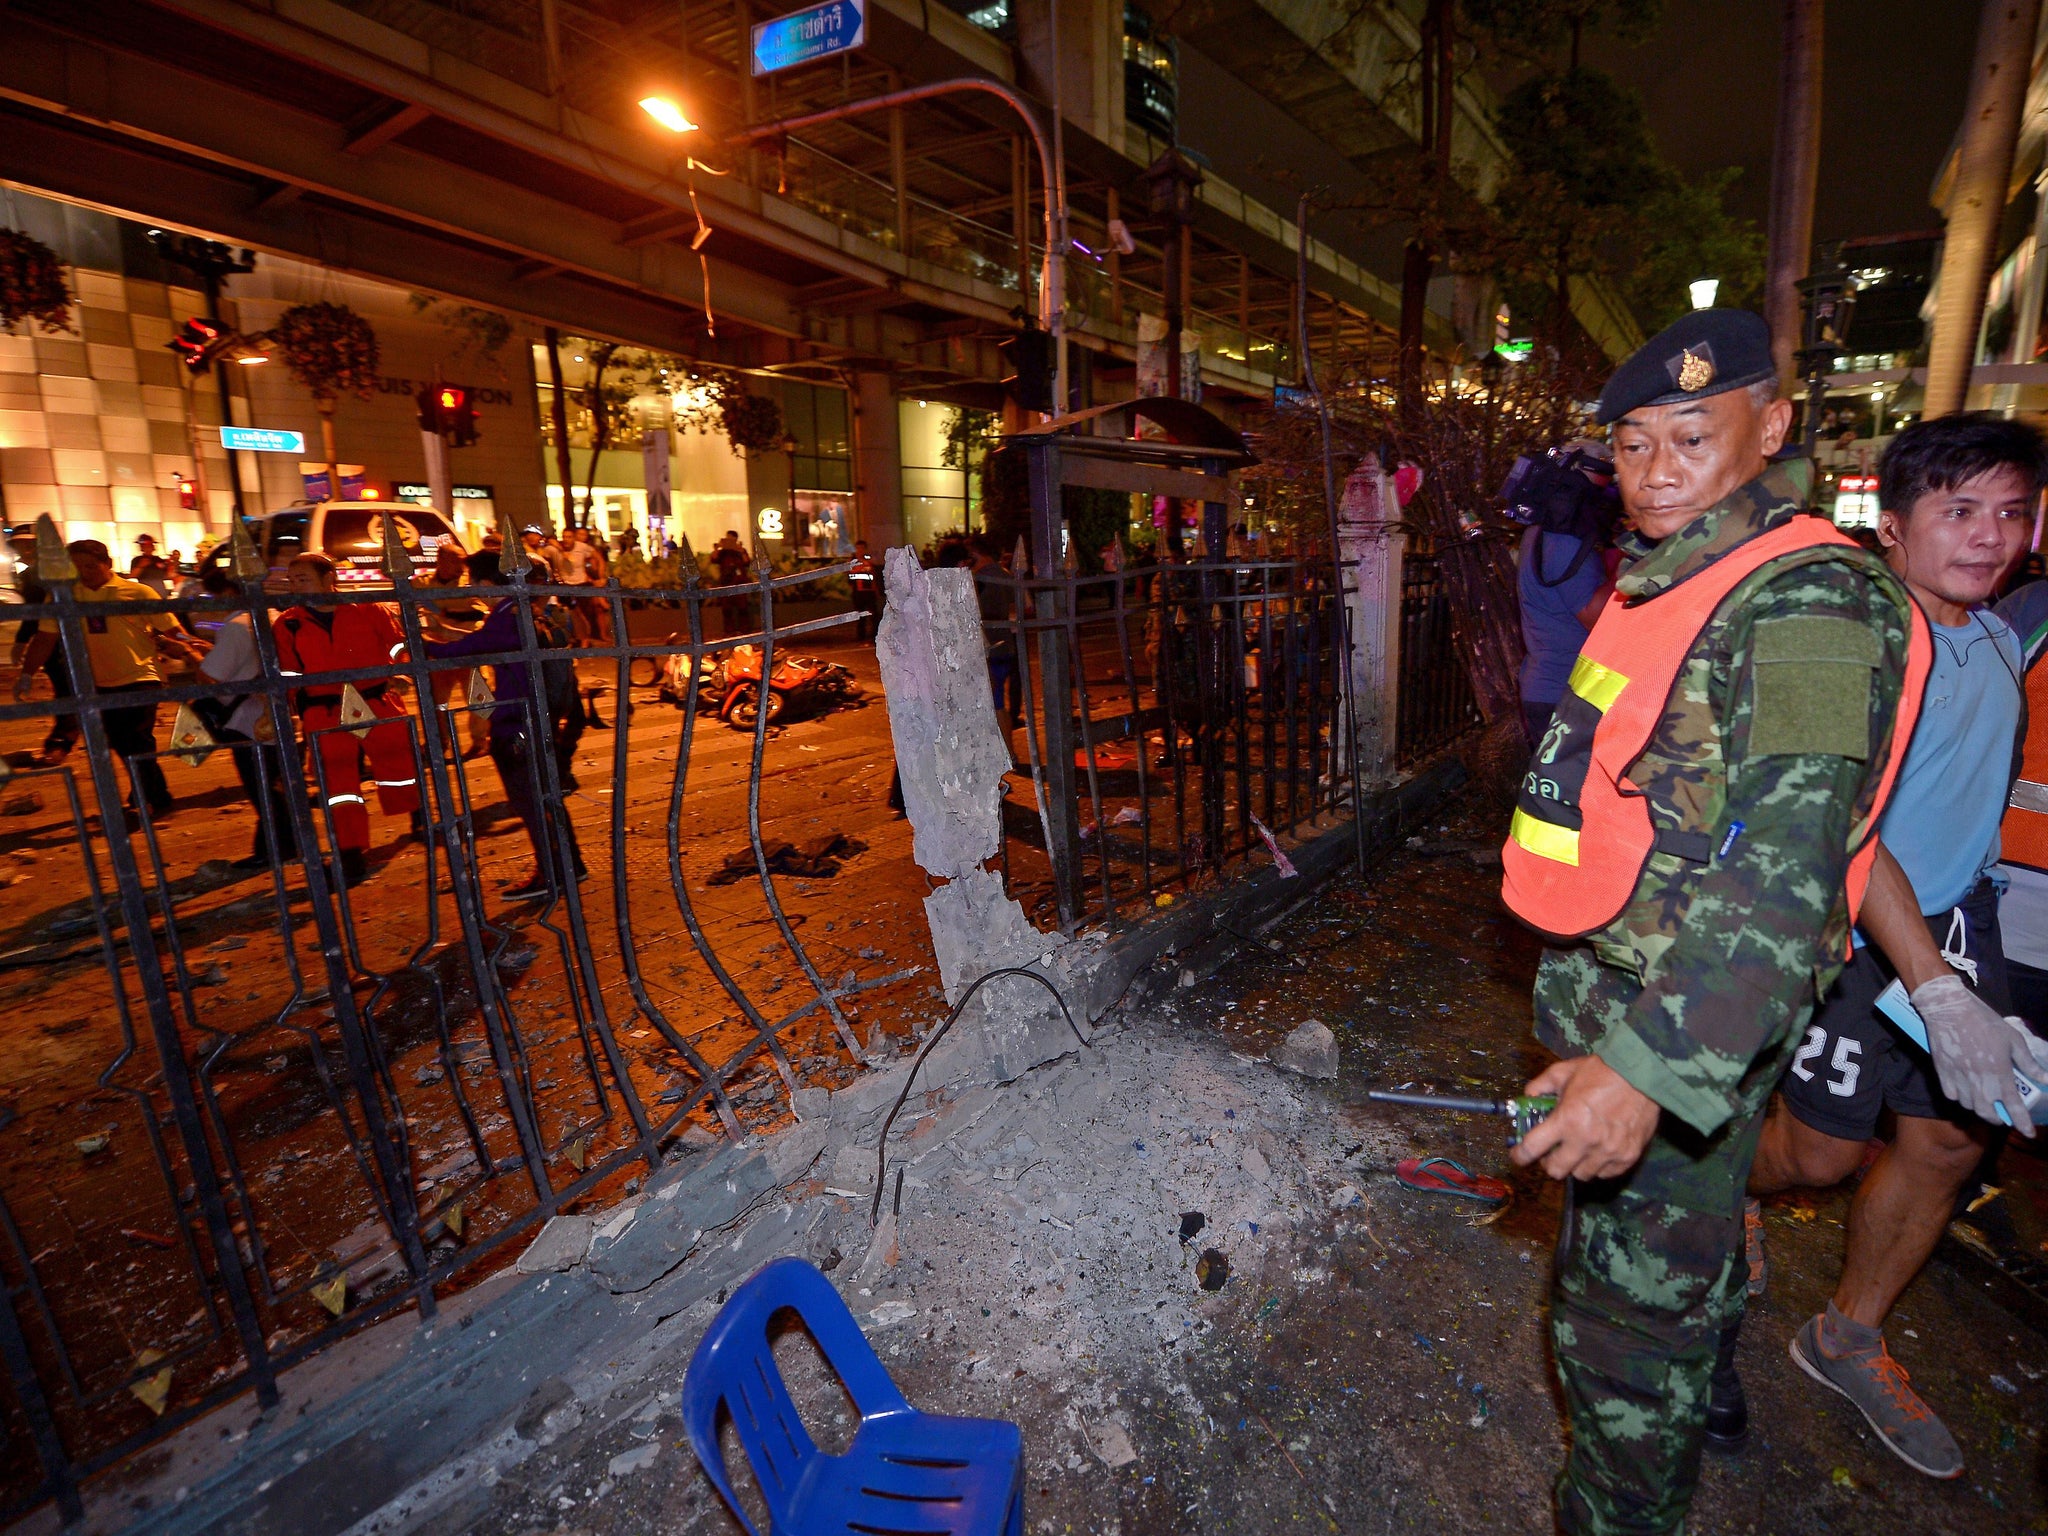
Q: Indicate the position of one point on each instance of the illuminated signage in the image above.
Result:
(769, 521)
(816, 32)
(263, 439)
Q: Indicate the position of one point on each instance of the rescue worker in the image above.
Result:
(317, 636)
(866, 583)
(1693, 836)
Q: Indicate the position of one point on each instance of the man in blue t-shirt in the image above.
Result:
(1958, 497)
(1563, 585)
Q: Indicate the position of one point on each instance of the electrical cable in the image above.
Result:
(882, 1142)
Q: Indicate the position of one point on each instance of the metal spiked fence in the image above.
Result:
(418, 1082)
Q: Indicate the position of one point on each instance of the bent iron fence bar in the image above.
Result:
(1202, 723)
(443, 1079)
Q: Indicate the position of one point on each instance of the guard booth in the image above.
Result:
(1228, 663)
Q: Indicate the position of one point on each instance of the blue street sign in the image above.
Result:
(815, 32)
(263, 439)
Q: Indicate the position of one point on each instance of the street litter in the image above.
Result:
(1446, 1176)
(818, 859)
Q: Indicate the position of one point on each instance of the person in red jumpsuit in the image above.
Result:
(317, 636)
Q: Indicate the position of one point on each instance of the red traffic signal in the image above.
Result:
(449, 410)
(197, 343)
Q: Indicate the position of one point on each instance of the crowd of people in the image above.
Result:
(1787, 811)
(357, 733)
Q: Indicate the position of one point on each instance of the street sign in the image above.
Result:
(263, 439)
(815, 32)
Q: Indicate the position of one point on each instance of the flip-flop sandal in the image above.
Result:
(1443, 1176)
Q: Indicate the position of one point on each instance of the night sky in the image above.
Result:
(1896, 73)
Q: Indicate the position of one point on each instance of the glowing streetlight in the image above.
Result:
(1703, 291)
(665, 111)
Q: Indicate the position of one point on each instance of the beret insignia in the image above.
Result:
(1695, 369)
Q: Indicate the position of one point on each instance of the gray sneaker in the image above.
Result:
(1877, 1385)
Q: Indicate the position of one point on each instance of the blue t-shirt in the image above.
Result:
(1551, 632)
(1942, 822)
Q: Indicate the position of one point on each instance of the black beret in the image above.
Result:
(1706, 353)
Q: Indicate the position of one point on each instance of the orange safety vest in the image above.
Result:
(2023, 835)
(1583, 832)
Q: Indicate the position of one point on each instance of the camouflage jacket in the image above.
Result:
(1780, 720)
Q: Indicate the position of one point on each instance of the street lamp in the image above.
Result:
(666, 111)
(1704, 291)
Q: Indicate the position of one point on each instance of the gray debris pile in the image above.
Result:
(1071, 1227)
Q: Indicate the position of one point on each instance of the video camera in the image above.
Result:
(1568, 488)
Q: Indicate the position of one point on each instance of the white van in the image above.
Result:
(351, 534)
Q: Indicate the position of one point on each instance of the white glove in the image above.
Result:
(1975, 1050)
(2036, 1052)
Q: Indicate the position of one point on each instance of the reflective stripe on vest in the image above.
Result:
(2023, 835)
(1582, 832)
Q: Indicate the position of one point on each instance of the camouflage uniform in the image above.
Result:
(1780, 719)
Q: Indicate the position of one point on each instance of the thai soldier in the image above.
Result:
(1693, 835)
(323, 636)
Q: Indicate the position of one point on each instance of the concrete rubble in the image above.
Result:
(1037, 1234)
(1309, 1049)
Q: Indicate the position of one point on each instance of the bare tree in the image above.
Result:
(1991, 125)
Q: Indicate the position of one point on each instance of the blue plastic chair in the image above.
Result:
(905, 1474)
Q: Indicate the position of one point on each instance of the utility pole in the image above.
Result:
(1436, 117)
(1976, 205)
(212, 263)
(1795, 171)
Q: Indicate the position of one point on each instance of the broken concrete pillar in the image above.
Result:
(1372, 544)
(949, 750)
(953, 756)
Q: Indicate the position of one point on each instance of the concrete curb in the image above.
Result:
(1196, 930)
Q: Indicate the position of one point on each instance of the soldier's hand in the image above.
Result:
(1600, 1126)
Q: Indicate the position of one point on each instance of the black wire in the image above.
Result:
(882, 1143)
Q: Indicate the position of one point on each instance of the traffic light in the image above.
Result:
(458, 415)
(198, 343)
(1029, 358)
(449, 410)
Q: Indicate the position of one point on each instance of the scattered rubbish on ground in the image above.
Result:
(1447, 1176)
(1280, 860)
(1212, 1270)
(1191, 1224)
(820, 858)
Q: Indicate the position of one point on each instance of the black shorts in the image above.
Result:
(1853, 1065)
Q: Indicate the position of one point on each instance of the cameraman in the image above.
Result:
(1563, 580)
